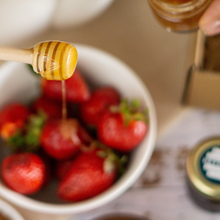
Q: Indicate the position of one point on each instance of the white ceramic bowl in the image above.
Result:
(18, 84)
(20, 20)
(8, 211)
(73, 13)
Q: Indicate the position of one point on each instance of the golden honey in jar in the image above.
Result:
(179, 15)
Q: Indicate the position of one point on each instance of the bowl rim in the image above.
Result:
(121, 185)
(9, 211)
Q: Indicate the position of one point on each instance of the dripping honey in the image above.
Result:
(64, 109)
(179, 15)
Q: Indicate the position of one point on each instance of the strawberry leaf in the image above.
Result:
(33, 130)
(102, 154)
(123, 160)
(131, 111)
(16, 141)
(29, 138)
(112, 160)
(135, 103)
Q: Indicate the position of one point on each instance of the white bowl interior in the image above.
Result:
(73, 13)
(98, 68)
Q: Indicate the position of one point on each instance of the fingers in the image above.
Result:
(210, 21)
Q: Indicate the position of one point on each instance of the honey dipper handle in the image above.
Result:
(18, 55)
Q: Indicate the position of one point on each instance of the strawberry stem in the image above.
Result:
(29, 139)
(16, 141)
(34, 129)
(131, 111)
(112, 159)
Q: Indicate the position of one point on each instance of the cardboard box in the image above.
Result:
(202, 87)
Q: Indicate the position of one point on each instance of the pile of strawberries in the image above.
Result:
(86, 152)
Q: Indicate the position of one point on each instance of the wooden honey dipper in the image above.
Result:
(54, 60)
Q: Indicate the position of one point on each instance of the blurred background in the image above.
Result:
(124, 28)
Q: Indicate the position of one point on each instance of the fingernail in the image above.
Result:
(211, 28)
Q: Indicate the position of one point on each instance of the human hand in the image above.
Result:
(210, 21)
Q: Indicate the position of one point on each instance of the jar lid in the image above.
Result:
(203, 168)
(122, 217)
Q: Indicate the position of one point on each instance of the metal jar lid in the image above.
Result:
(203, 168)
(122, 217)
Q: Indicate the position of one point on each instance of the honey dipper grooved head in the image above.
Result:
(54, 60)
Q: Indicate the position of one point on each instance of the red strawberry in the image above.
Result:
(122, 127)
(76, 88)
(12, 118)
(61, 139)
(100, 99)
(87, 177)
(52, 108)
(24, 172)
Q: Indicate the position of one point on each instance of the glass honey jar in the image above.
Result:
(179, 15)
(203, 174)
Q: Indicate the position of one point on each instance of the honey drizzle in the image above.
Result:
(64, 110)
